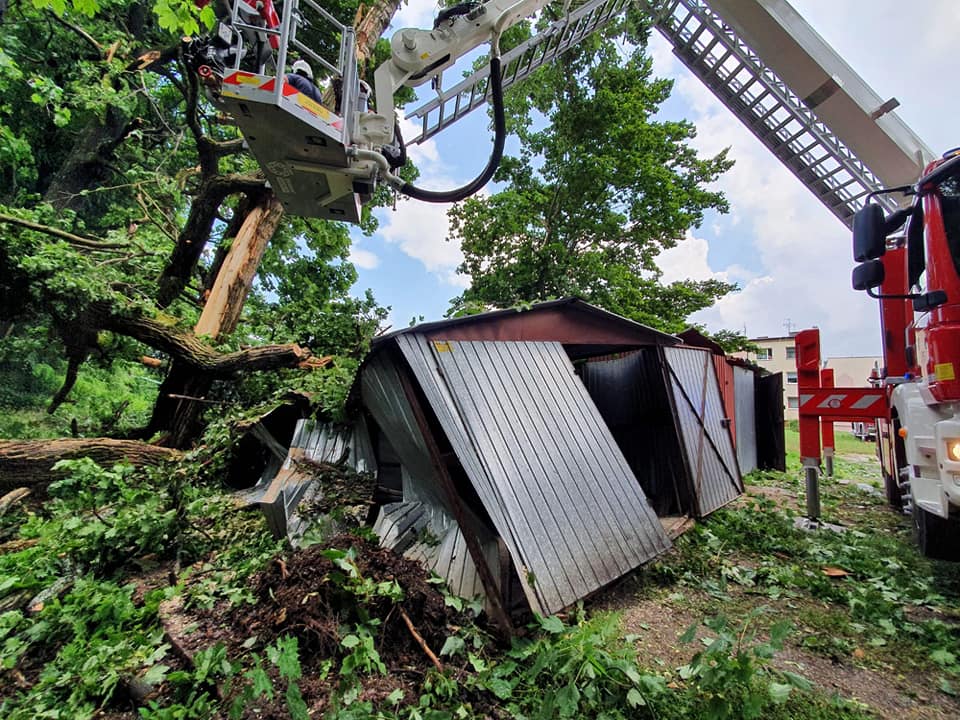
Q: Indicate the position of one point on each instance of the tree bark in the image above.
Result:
(223, 306)
(371, 26)
(196, 231)
(197, 355)
(29, 462)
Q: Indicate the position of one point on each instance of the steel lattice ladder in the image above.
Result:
(868, 148)
(451, 105)
(762, 101)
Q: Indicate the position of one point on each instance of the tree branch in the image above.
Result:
(78, 31)
(76, 240)
(191, 351)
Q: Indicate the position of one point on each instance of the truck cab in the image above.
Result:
(918, 277)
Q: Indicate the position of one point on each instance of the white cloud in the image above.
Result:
(801, 250)
(363, 258)
(415, 14)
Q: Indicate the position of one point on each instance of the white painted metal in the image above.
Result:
(798, 96)
(543, 48)
(745, 419)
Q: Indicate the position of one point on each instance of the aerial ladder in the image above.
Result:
(759, 57)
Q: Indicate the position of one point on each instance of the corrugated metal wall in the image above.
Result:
(401, 525)
(699, 407)
(630, 394)
(550, 475)
(746, 419)
(406, 528)
(280, 493)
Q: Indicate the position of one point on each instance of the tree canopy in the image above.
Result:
(601, 185)
(122, 193)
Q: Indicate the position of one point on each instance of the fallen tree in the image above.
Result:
(30, 462)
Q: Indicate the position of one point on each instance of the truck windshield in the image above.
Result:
(949, 191)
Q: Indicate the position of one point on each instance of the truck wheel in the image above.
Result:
(937, 537)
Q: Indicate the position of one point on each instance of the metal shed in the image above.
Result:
(510, 435)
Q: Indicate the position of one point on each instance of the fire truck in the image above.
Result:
(770, 68)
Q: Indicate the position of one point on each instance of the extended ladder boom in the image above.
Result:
(798, 96)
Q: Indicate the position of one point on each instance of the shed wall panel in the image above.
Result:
(630, 393)
(746, 419)
(699, 406)
(551, 476)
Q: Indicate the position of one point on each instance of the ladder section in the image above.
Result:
(784, 122)
(451, 105)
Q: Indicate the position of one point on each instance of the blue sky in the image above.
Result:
(790, 256)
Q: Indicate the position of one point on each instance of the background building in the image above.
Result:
(778, 354)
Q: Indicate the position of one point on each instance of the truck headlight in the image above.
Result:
(953, 449)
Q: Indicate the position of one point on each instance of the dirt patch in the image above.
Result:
(659, 621)
(310, 596)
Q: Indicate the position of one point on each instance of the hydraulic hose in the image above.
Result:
(500, 136)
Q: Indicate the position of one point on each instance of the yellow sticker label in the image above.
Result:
(944, 371)
(442, 346)
(242, 78)
(425, 56)
(313, 106)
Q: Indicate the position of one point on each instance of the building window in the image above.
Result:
(764, 353)
(793, 402)
(791, 378)
(791, 352)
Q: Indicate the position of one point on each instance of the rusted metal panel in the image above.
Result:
(550, 475)
(630, 393)
(725, 380)
(582, 328)
(711, 459)
(746, 419)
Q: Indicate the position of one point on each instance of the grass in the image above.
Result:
(749, 584)
(886, 609)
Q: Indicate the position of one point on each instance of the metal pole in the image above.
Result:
(811, 471)
(828, 461)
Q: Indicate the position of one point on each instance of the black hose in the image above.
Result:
(500, 137)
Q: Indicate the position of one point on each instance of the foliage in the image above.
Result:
(727, 674)
(594, 195)
(94, 641)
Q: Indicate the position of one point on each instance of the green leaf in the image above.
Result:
(779, 692)
(568, 700)
(155, 675)
(635, 699)
(551, 624)
(499, 687)
(395, 697)
(689, 634)
(453, 646)
(285, 655)
(350, 641)
(947, 687)
(943, 658)
(798, 681)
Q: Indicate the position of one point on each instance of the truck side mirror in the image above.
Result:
(930, 300)
(868, 275)
(869, 233)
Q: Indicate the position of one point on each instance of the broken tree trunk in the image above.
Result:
(223, 306)
(30, 462)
